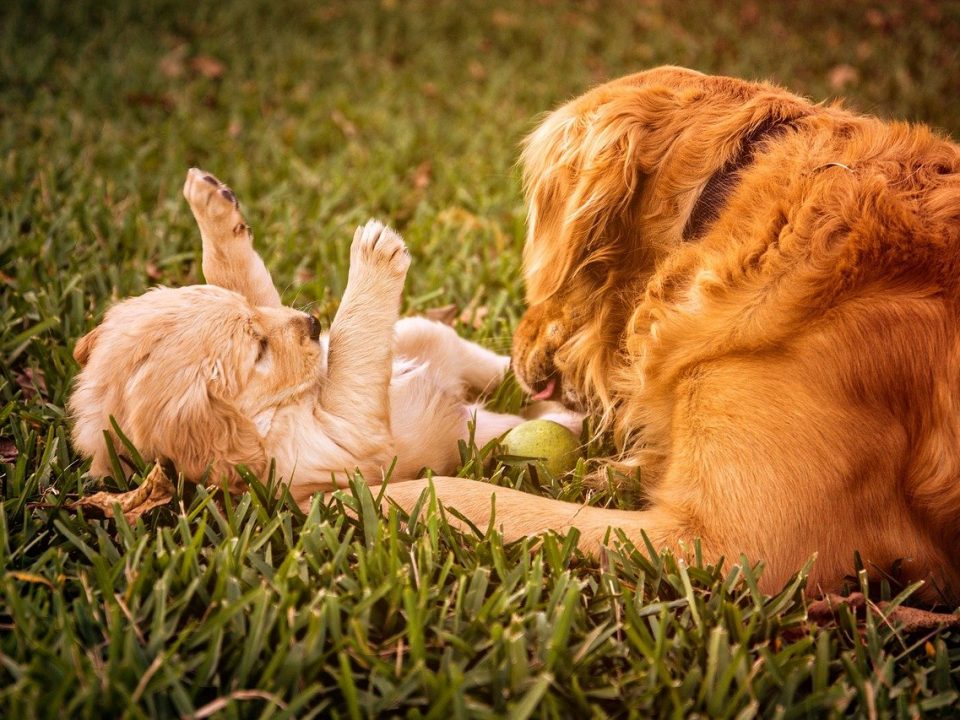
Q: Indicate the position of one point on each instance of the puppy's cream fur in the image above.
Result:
(216, 375)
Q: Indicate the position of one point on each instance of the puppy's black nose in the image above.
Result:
(314, 328)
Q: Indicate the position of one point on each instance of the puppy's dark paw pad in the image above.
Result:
(210, 199)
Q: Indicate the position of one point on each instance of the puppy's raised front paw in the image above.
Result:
(214, 205)
(377, 247)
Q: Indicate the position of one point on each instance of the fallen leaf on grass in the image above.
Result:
(477, 71)
(154, 491)
(911, 619)
(31, 382)
(475, 315)
(143, 99)
(346, 127)
(208, 66)
(505, 20)
(171, 64)
(907, 619)
(842, 76)
(153, 271)
(447, 314)
(174, 63)
(8, 450)
(422, 175)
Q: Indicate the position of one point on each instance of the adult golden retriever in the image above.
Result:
(212, 376)
(759, 296)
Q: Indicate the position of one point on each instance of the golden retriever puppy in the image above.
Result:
(759, 296)
(212, 376)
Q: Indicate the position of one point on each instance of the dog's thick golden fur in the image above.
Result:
(213, 376)
(786, 376)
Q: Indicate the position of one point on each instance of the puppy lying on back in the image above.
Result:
(211, 376)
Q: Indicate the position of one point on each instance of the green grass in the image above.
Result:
(324, 115)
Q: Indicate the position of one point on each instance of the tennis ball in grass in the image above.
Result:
(550, 442)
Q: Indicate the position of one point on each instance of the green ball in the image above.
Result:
(545, 440)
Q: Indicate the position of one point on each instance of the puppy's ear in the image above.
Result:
(198, 429)
(84, 346)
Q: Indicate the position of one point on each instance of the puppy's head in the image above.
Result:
(185, 373)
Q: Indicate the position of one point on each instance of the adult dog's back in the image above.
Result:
(760, 296)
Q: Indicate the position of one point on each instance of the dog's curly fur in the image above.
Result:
(786, 383)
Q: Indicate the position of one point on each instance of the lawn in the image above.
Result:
(321, 115)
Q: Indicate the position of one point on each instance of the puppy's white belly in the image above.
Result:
(427, 418)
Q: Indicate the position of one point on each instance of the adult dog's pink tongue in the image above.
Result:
(547, 392)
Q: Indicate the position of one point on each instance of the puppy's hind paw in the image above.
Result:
(377, 247)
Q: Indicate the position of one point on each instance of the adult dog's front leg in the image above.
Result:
(229, 259)
(359, 362)
(517, 514)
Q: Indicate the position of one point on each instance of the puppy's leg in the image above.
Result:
(229, 259)
(453, 357)
(360, 355)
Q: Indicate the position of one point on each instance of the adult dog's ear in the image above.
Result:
(611, 177)
(584, 168)
(84, 346)
(199, 429)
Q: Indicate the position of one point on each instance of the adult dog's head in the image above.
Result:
(187, 374)
(611, 180)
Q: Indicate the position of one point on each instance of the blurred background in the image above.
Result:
(322, 114)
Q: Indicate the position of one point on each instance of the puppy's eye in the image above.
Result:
(264, 346)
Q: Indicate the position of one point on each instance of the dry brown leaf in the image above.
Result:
(31, 382)
(825, 609)
(8, 450)
(875, 18)
(422, 175)
(842, 76)
(341, 121)
(749, 14)
(911, 619)
(475, 316)
(161, 100)
(153, 271)
(447, 314)
(208, 66)
(477, 71)
(154, 491)
(171, 64)
(303, 275)
(906, 619)
(504, 19)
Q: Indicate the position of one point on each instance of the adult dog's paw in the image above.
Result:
(378, 248)
(214, 205)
